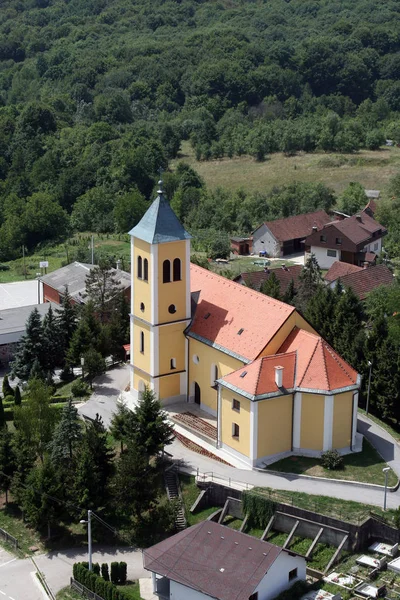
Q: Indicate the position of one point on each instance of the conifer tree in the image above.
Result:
(348, 333)
(66, 320)
(24, 460)
(39, 504)
(7, 389)
(81, 342)
(134, 480)
(121, 424)
(320, 312)
(7, 461)
(3, 422)
(119, 328)
(103, 288)
(310, 279)
(67, 433)
(95, 365)
(271, 287)
(17, 396)
(151, 430)
(97, 443)
(53, 351)
(290, 293)
(30, 348)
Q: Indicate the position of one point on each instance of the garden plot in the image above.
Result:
(385, 549)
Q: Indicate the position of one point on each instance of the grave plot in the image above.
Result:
(394, 565)
(343, 580)
(386, 549)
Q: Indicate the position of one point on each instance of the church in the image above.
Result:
(273, 385)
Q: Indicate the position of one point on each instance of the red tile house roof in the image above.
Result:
(308, 362)
(214, 560)
(364, 281)
(284, 276)
(232, 317)
(299, 226)
(340, 269)
(355, 232)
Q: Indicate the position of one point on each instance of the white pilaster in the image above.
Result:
(154, 351)
(219, 419)
(154, 579)
(328, 422)
(187, 277)
(354, 427)
(253, 432)
(132, 305)
(296, 420)
(153, 281)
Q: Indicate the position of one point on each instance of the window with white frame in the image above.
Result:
(331, 253)
(235, 430)
(235, 405)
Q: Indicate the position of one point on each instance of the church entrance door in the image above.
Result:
(196, 393)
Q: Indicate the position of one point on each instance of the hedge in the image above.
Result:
(259, 508)
(96, 583)
(9, 411)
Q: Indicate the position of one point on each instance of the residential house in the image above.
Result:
(248, 363)
(209, 560)
(355, 240)
(242, 245)
(74, 276)
(284, 275)
(286, 236)
(362, 280)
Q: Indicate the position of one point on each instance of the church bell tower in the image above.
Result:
(160, 302)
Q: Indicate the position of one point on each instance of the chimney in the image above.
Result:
(365, 265)
(358, 217)
(315, 228)
(279, 376)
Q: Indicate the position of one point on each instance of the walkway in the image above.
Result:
(381, 439)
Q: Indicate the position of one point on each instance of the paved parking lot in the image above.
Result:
(18, 579)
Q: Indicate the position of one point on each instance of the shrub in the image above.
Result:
(79, 388)
(114, 575)
(17, 396)
(96, 568)
(104, 572)
(7, 389)
(122, 573)
(8, 400)
(332, 460)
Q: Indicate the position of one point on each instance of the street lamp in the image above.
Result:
(38, 275)
(89, 524)
(369, 386)
(386, 471)
(82, 365)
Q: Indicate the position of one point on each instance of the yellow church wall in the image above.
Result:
(201, 372)
(241, 418)
(173, 292)
(141, 359)
(138, 377)
(312, 421)
(172, 345)
(342, 420)
(274, 426)
(294, 320)
(169, 386)
(141, 288)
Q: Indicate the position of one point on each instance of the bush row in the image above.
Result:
(9, 411)
(101, 584)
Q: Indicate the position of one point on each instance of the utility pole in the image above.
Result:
(386, 471)
(369, 386)
(23, 259)
(89, 524)
(92, 249)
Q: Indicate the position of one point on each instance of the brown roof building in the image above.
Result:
(284, 275)
(363, 281)
(209, 560)
(286, 236)
(354, 240)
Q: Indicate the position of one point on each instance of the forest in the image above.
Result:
(96, 96)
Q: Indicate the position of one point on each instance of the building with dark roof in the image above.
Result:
(355, 240)
(286, 236)
(209, 560)
(284, 275)
(192, 330)
(362, 281)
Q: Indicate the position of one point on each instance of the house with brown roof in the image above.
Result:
(209, 560)
(237, 369)
(284, 275)
(286, 236)
(360, 280)
(355, 240)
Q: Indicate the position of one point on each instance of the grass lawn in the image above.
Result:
(68, 594)
(365, 466)
(11, 521)
(233, 523)
(347, 510)
(131, 590)
(190, 492)
(372, 169)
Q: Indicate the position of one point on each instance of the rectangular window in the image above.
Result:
(322, 238)
(331, 253)
(236, 405)
(235, 430)
(173, 363)
(338, 241)
(142, 342)
(376, 246)
(292, 574)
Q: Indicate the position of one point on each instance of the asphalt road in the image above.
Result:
(18, 579)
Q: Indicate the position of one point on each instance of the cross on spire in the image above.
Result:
(160, 183)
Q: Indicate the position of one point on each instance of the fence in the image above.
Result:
(75, 585)
(9, 538)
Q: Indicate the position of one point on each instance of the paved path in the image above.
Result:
(107, 388)
(57, 566)
(381, 439)
(18, 580)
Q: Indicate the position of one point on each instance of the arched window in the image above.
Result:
(141, 341)
(139, 267)
(146, 269)
(173, 363)
(166, 271)
(177, 269)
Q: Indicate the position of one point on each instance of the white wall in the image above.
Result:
(371, 247)
(181, 592)
(325, 261)
(270, 243)
(277, 578)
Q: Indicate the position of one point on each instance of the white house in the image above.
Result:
(210, 560)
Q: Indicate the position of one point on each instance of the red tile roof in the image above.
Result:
(318, 366)
(214, 560)
(284, 276)
(299, 226)
(365, 280)
(340, 269)
(232, 316)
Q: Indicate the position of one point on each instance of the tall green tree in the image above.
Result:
(103, 288)
(135, 487)
(290, 293)
(271, 287)
(67, 435)
(31, 347)
(95, 365)
(52, 351)
(121, 424)
(119, 328)
(348, 333)
(7, 461)
(7, 389)
(67, 321)
(151, 430)
(353, 199)
(320, 312)
(310, 279)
